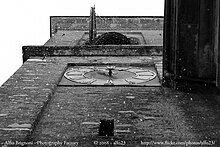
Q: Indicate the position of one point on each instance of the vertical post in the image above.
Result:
(176, 43)
(168, 51)
(92, 25)
(166, 40)
(171, 42)
(217, 41)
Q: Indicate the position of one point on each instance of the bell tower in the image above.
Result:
(74, 79)
(98, 81)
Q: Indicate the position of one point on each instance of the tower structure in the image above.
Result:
(68, 64)
(111, 69)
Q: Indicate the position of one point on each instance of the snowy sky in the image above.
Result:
(26, 22)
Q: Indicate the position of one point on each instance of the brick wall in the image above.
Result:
(24, 96)
(106, 23)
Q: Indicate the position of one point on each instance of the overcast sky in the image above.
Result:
(26, 22)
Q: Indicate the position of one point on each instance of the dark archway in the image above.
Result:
(112, 38)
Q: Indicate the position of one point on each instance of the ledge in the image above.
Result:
(98, 50)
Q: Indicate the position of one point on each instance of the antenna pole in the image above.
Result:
(92, 25)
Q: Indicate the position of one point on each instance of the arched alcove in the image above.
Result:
(112, 38)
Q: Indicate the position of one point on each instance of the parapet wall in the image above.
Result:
(106, 23)
(98, 50)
